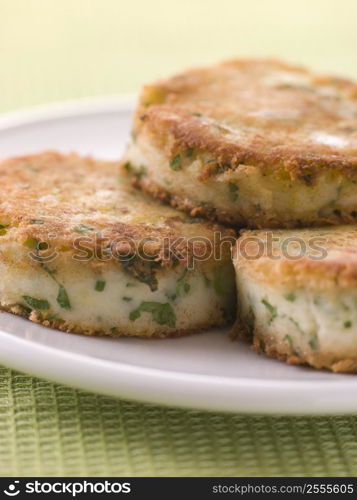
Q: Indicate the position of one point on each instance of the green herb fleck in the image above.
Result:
(175, 162)
(130, 285)
(288, 339)
(313, 344)
(82, 228)
(290, 297)
(127, 166)
(271, 309)
(134, 315)
(37, 221)
(233, 191)
(162, 314)
(51, 272)
(251, 316)
(31, 243)
(2, 230)
(62, 298)
(99, 285)
(347, 324)
(294, 322)
(189, 152)
(141, 171)
(36, 303)
(142, 270)
(182, 287)
(127, 299)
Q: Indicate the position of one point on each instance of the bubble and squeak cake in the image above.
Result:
(254, 143)
(297, 295)
(82, 251)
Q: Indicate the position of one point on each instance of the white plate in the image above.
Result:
(203, 371)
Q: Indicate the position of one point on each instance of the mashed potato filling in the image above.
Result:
(245, 195)
(111, 301)
(297, 295)
(301, 322)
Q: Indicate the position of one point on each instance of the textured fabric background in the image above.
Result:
(54, 50)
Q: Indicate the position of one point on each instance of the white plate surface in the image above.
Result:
(205, 371)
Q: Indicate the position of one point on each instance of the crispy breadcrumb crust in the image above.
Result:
(60, 199)
(263, 113)
(72, 327)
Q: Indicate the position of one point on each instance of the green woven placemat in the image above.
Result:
(51, 51)
(49, 429)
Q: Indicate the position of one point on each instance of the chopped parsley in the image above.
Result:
(233, 191)
(36, 303)
(127, 299)
(99, 285)
(142, 270)
(289, 340)
(31, 243)
(313, 344)
(294, 322)
(37, 221)
(141, 171)
(290, 297)
(2, 230)
(83, 228)
(182, 286)
(35, 244)
(175, 162)
(271, 309)
(162, 314)
(62, 298)
(347, 324)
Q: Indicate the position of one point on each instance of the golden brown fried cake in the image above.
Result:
(249, 142)
(297, 295)
(83, 251)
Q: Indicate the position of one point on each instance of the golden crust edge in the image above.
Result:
(214, 215)
(282, 351)
(61, 325)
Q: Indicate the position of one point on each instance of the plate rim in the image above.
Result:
(143, 381)
(66, 109)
